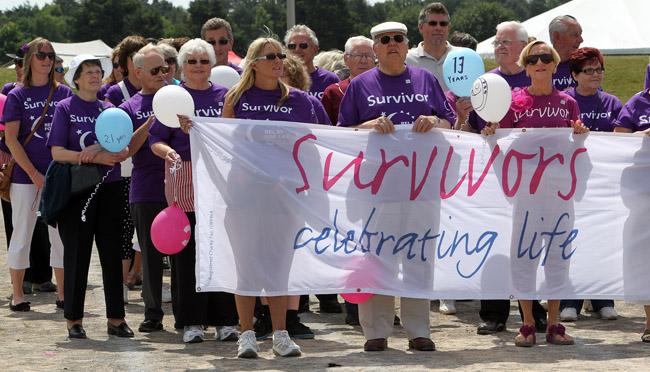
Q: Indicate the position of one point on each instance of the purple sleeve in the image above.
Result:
(114, 95)
(60, 123)
(321, 114)
(12, 109)
(626, 117)
(348, 111)
(159, 133)
(647, 77)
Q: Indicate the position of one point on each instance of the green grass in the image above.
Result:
(624, 76)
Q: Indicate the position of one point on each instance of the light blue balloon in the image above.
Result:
(113, 129)
(461, 67)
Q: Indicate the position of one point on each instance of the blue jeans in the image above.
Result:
(577, 304)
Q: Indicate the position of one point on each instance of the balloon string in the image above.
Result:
(92, 194)
(176, 166)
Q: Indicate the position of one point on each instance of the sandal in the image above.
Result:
(557, 330)
(522, 338)
(646, 336)
(23, 306)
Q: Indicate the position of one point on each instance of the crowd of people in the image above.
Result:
(46, 120)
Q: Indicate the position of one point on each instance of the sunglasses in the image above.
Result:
(59, 69)
(170, 61)
(42, 55)
(195, 61)
(271, 57)
(116, 65)
(533, 58)
(18, 62)
(154, 71)
(220, 41)
(386, 39)
(293, 46)
(441, 23)
(591, 70)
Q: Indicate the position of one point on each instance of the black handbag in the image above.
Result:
(85, 177)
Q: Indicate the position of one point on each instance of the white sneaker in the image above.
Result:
(193, 334)
(447, 307)
(125, 293)
(608, 313)
(569, 314)
(283, 345)
(227, 333)
(166, 294)
(247, 345)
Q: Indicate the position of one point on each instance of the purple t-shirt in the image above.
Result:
(114, 93)
(635, 114)
(597, 111)
(260, 104)
(647, 77)
(147, 177)
(553, 111)
(73, 128)
(207, 103)
(101, 95)
(26, 105)
(562, 78)
(8, 87)
(518, 80)
(401, 98)
(321, 79)
(319, 109)
(236, 68)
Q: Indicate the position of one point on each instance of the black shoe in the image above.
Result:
(330, 306)
(46, 287)
(303, 306)
(397, 320)
(76, 331)
(27, 288)
(121, 330)
(23, 306)
(352, 319)
(541, 325)
(299, 330)
(150, 325)
(60, 304)
(490, 327)
(263, 328)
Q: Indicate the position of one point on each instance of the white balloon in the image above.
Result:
(172, 100)
(491, 97)
(224, 75)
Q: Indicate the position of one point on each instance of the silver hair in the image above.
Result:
(559, 24)
(168, 50)
(139, 56)
(300, 29)
(196, 46)
(356, 40)
(518, 28)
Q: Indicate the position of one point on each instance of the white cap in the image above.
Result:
(106, 63)
(388, 27)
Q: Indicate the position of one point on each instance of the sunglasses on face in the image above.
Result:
(195, 61)
(591, 70)
(545, 58)
(154, 71)
(441, 23)
(59, 69)
(42, 55)
(116, 65)
(271, 57)
(293, 46)
(18, 62)
(220, 41)
(386, 39)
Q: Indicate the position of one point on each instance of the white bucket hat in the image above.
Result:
(106, 63)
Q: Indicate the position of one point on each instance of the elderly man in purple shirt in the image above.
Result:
(566, 35)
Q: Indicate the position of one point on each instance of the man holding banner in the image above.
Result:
(390, 94)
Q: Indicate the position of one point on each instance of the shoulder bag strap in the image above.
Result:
(125, 92)
(41, 119)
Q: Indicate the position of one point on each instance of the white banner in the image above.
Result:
(289, 208)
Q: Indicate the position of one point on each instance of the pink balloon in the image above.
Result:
(357, 298)
(171, 230)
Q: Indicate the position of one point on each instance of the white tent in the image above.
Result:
(613, 26)
(67, 51)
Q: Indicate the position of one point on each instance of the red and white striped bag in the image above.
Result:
(178, 185)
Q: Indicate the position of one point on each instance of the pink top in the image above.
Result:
(553, 111)
(3, 98)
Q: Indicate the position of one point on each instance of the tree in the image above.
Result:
(202, 10)
(479, 19)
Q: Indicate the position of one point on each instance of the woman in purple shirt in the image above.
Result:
(542, 106)
(192, 310)
(24, 109)
(73, 140)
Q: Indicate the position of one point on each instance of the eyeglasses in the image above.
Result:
(18, 62)
(362, 56)
(591, 70)
(506, 43)
(441, 23)
(195, 61)
(293, 46)
(170, 61)
(271, 57)
(220, 41)
(386, 39)
(42, 55)
(59, 69)
(533, 58)
(154, 71)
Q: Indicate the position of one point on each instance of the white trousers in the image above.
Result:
(23, 215)
(377, 315)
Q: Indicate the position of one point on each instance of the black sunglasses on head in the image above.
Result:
(441, 23)
(220, 41)
(271, 57)
(386, 39)
(42, 55)
(154, 71)
(532, 59)
(18, 62)
(195, 61)
(293, 46)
